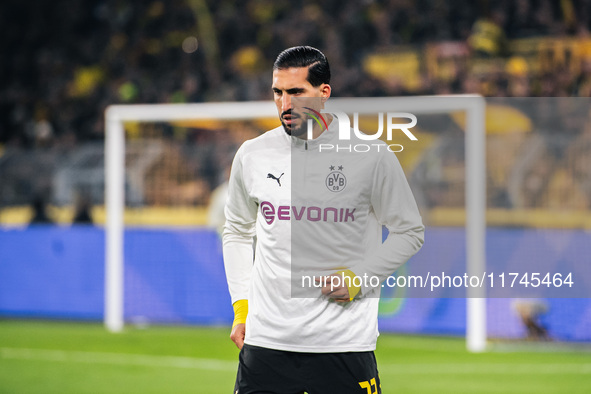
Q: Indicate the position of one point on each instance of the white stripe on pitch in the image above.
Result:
(488, 368)
(118, 359)
(225, 365)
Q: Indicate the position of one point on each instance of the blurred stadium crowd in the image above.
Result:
(64, 61)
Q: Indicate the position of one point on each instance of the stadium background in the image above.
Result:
(63, 62)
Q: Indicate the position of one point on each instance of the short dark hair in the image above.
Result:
(305, 56)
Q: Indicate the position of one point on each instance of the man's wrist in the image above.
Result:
(240, 312)
(349, 282)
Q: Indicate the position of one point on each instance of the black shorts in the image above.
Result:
(269, 371)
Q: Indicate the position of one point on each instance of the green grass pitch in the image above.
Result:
(66, 357)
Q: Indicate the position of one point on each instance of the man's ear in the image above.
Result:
(325, 90)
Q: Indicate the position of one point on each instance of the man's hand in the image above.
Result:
(335, 288)
(239, 325)
(237, 335)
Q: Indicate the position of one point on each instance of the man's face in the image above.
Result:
(292, 82)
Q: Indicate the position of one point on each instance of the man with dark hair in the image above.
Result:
(312, 58)
(320, 341)
(309, 67)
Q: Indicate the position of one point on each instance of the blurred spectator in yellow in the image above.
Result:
(488, 38)
(518, 77)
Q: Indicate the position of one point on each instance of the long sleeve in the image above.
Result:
(239, 231)
(394, 206)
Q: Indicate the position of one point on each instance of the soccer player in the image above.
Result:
(318, 213)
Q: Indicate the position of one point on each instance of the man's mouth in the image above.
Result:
(290, 119)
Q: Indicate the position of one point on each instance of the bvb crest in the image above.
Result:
(336, 180)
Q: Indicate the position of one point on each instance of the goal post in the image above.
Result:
(472, 105)
(115, 117)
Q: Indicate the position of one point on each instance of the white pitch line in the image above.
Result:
(117, 359)
(488, 368)
(224, 365)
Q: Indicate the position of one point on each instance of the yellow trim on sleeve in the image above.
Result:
(350, 282)
(240, 312)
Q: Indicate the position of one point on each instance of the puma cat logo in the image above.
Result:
(269, 175)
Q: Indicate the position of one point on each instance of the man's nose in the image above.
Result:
(285, 102)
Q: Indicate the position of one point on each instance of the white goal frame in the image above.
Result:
(472, 105)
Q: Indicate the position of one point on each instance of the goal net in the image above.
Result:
(463, 179)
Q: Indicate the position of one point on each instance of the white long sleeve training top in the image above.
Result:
(315, 211)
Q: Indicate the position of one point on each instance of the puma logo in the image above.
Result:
(269, 175)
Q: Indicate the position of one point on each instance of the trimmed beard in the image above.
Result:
(294, 132)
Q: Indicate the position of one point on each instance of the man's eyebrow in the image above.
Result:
(290, 91)
(295, 90)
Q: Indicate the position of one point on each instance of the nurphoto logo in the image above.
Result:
(345, 130)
